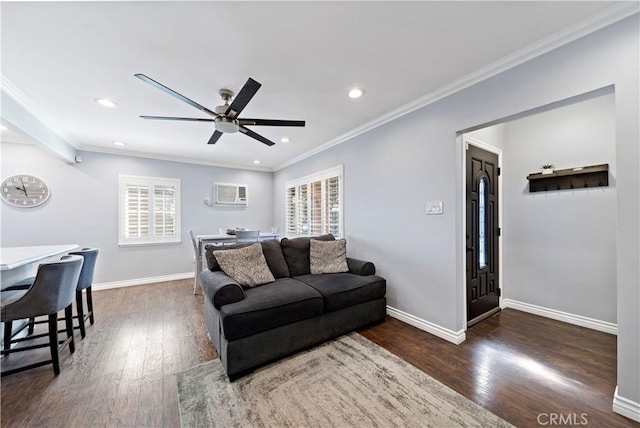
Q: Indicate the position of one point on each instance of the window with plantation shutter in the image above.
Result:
(149, 210)
(314, 204)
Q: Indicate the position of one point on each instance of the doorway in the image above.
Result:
(482, 233)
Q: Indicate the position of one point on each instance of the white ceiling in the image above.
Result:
(60, 56)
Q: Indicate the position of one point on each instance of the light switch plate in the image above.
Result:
(434, 208)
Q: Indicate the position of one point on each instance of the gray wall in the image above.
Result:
(83, 208)
(560, 246)
(391, 171)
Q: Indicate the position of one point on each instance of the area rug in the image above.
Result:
(348, 382)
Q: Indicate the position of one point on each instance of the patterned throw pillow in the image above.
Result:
(247, 265)
(328, 256)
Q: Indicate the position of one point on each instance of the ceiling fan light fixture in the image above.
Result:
(356, 93)
(226, 125)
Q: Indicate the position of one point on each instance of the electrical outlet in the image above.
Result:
(434, 208)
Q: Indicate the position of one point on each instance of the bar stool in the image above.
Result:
(52, 291)
(84, 283)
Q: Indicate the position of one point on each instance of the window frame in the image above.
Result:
(323, 177)
(124, 181)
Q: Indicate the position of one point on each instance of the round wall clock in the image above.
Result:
(24, 191)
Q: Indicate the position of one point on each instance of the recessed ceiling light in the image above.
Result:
(285, 140)
(4, 128)
(105, 102)
(256, 162)
(118, 143)
(356, 93)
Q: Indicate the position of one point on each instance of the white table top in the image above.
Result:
(13, 257)
(233, 237)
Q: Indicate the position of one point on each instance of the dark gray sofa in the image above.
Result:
(253, 326)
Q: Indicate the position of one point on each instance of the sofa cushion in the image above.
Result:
(341, 290)
(247, 265)
(296, 253)
(275, 259)
(328, 256)
(282, 302)
(212, 263)
(271, 250)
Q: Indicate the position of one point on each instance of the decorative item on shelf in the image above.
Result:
(571, 178)
(547, 169)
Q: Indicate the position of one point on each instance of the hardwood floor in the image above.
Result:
(527, 369)
(123, 374)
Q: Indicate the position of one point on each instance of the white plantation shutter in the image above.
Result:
(136, 212)
(314, 204)
(164, 210)
(149, 210)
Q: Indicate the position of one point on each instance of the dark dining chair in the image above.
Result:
(85, 281)
(52, 291)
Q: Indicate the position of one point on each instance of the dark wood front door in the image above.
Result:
(483, 285)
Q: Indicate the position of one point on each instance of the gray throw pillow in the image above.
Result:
(247, 265)
(296, 253)
(328, 256)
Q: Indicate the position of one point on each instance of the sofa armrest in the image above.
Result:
(360, 267)
(219, 288)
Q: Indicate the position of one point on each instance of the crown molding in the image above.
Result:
(578, 30)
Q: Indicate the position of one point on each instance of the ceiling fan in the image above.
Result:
(226, 118)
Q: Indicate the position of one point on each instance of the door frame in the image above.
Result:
(465, 141)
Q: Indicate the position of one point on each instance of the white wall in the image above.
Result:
(391, 171)
(83, 208)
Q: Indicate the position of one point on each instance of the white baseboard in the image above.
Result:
(591, 323)
(429, 327)
(141, 281)
(625, 407)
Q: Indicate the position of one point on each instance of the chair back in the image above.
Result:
(247, 235)
(90, 256)
(194, 243)
(53, 290)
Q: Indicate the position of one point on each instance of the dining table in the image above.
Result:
(220, 239)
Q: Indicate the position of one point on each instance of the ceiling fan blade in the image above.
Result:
(271, 122)
(214, 138)
(174, 94)
(241, 100)
(190, 119)
(258, 137)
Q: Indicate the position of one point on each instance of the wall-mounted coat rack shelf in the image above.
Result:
(572, 178)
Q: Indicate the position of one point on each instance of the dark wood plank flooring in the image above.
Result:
(123, 374)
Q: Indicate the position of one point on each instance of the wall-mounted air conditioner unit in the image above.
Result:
(230, 194)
